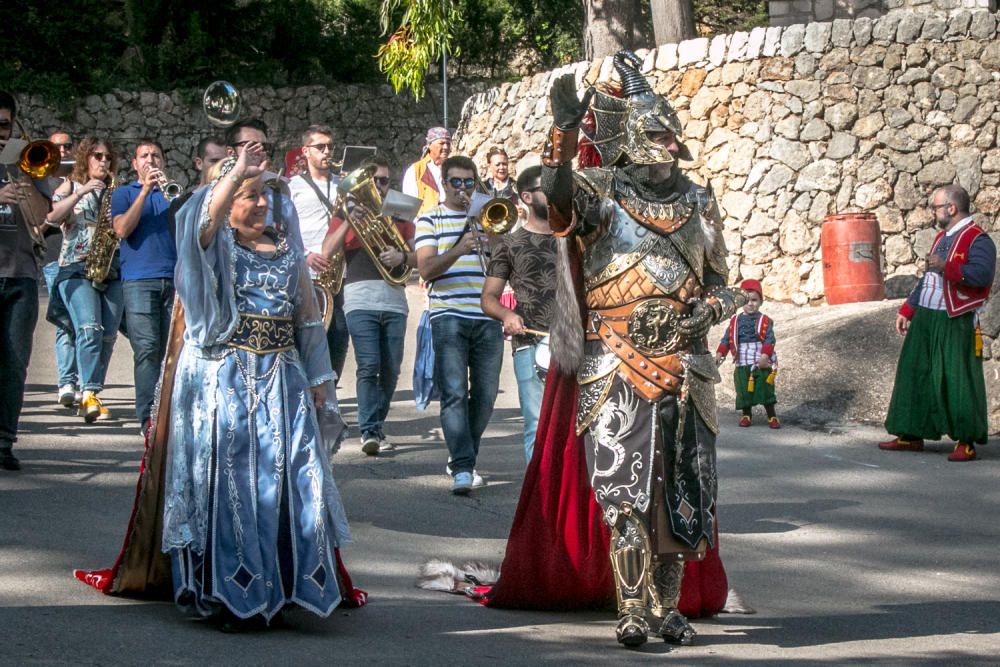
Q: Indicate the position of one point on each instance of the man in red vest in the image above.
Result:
(939, 387)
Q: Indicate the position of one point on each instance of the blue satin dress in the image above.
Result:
(252, 514)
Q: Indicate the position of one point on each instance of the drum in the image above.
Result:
(542, 358)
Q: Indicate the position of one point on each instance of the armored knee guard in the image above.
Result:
(631, 560)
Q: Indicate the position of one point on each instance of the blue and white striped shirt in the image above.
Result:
(456, 291)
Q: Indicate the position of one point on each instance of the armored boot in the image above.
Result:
(666, 621)
(631, 557)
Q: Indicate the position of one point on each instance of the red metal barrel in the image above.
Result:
(852, 258)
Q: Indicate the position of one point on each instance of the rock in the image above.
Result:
(947, 76)
(896, 117)
(925, 94)
(666, 57)
(759, 249)
(983, 25)
(922, 241)
(885, 27)
(968, 168)
(898, 140)
(737, 205)
(907, 195)
(872, 78)
(772, 41)
(870, 195)
(862, 31)
(934, 27)
(868, 126)
(820, 207)
(909, 28)
(796, 237)
(755, 43)
(804, 90)
(757, 172)
(844, 194)
(692, 51)
(777, 69)
(782, 280)
(889, 219)
(898, 250)
(919, 218)
(842, 33)
(818, 36)
(988, 201)
(976, 74)
(820, 175)
(841, 116)
(913, 75)
(963, 134)
(792, 40)
(815, 130)
(791, 153)
(760, 223)
(702, 103)
(778, 177)
(991, 161)
(717, 50)
(691, 82)
(841, 146)
(789, 127)
(936, 174)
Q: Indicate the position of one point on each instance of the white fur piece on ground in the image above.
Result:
(442, 575)
(736, 605)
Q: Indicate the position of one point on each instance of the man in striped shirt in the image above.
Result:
(468, 344)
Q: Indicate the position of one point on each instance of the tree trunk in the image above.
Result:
(611, 25)
(673, 21)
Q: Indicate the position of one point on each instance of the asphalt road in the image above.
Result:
(848, 553)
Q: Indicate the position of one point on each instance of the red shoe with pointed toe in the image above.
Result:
(772, 422)
(745, 421)
(900, 445)
(963, 452)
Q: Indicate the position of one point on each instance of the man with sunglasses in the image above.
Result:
(314, 192)
(376, 314)
(468, 343)
(18, 283)
(140, 215)
(939, 388)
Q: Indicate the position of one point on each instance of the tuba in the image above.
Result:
(376, 232)
(104, 243)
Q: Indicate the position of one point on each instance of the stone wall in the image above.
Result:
(790, 124)
(358, 114)
(788, 12)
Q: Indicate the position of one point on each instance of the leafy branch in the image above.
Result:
(424, 35)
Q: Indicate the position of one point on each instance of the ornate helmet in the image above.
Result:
(621, 123)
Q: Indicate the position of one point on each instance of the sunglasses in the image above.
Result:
(467, 183)
(68, 146)
(381, 180)
(101, 157)
(5, 124)
(240, 144)
(322, 148)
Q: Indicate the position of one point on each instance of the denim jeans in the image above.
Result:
(148, 304)
(529, 392)
(65, 340)
(96, 314)
(338, 338)
(468, 354)
(378, 350)
(18, 314)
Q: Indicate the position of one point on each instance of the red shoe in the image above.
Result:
(963, 452)
(900, 445)
(773, 422)
(745, 421)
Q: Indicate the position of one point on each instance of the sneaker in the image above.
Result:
(384, 445)
(67, 395)
(462, 484)
(8, 461)
(772, 422)
(105, 414)
(90, 407)
(477, 479)
(370, 444)
(900, 445)
(963, 452)
(745, 421)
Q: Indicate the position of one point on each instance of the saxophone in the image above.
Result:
(104, 242)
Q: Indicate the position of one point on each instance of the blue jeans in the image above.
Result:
(529, 392)
(378, 350)
(65, 339)
(18, 314)
(468, 355)
(96, 314)
(148, 304)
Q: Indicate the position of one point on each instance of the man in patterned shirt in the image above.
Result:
(527, 260)
(468, 344)
(939, 387)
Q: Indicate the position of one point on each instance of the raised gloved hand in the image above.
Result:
(702, 317)
(567, 110)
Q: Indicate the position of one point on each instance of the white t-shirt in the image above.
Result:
(410, 180)
(314, 218)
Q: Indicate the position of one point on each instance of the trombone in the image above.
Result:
(38, 159)
(497, 217)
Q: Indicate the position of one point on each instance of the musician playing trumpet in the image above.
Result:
(376, 311)
(91, 309)
(468, 344)
(141, 217)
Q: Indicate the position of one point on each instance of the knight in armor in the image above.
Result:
(653, 271)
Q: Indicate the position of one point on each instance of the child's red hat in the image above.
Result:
(752, 285)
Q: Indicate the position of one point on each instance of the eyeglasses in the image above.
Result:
(381, 180)
(5, 124)
(322, 148)
(240, 144)
(935, 207)
(68, 145)
(101, 157)
(467, 183)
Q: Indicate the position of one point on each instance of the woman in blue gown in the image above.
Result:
(252, 517)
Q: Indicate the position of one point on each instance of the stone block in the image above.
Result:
(820, 175)
(936, 174)
(898, 250)
(777, 177)
(870, 195)
(666, 57)
(772, 41)
(968, 169)
(759, 249)
(841, 145)
(792, 40)
(791, 153)
(815, 130)
(692, 51)
(983, 25)
(818, 35)
(737, 205)
(842, 33)
(890, 219)
(862, 31)
(717, 50)
(885, 28)
(909, 28)
(868, 126)
(841, 116)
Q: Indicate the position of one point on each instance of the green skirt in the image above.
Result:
(939, 387)
(763, 392)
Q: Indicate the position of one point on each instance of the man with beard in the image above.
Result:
(653, 273)
(939, 387)
(527, 260)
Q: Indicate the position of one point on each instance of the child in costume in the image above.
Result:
(750, 339)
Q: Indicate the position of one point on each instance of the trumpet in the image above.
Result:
(171, 189)
(497, 217)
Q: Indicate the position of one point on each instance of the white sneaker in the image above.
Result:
(370, 445)
(384, 445)
(462, 484)
(67, 395)
(477, 479)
